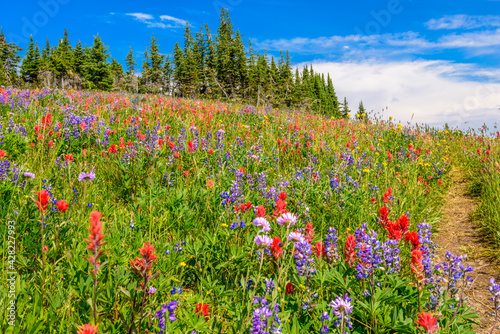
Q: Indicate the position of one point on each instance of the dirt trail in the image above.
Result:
(458, 234)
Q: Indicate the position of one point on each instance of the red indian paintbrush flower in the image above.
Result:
(43, 200)
(412, 237)
(95, 240)
(309, 235)
(203, 309)
(62, 206)
(142, 266)
(319, 249)
(112, 149)
(275, 247)
(261, 211)
(428, 322)
(416, 263)
(68, 158)
(350, 250)
(87, 329)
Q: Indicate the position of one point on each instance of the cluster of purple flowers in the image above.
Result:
(170, 307)
(237, 224)
(331, 246)
(368, 252)
(390, 254)
(261, 313)
(304, 259)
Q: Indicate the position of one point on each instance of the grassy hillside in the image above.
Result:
(200, 217)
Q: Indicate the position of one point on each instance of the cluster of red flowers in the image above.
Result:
(398, 230)
(243, 207)
(350, 250)
(416, 263)
(428, 322)
(203, 309)
(276, 247)
(62, 206)
(142, 266)
(95, 240)
(43, 200)
(388, 195)
(280, 206)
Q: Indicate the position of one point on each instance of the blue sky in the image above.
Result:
(428, 61)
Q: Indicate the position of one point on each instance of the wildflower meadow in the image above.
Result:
(130, 213)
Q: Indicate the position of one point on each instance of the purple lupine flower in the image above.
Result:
(390, 255)
(495, 291)
(170, 307)
(331, 247)
(368, 251)
(29, 175)
(269, 286)
(261, 313)
(304, 259)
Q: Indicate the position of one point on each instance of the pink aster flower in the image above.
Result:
(287, 219)
(263, 241)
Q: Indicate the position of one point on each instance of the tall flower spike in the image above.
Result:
(43, 200)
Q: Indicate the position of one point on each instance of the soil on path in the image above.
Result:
(458, 234)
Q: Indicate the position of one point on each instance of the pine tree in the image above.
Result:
(97, 69)
(225, 77)
(78, 59)
(167, 75)
(152, 68)
(31, 63)
(190, 53)
(62, 59)
(9, 59)
(361, 115)
(130, 62)
(345, 109)
(179, 70)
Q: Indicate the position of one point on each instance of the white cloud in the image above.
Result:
(428, 91)
(174, 19)
(463, 22)
(151, 22)
(485, 42)
(141, 16)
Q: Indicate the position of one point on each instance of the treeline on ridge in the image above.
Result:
(212, 66)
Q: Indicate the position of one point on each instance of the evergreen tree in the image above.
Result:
(190, 53)
(361, 111)
(152, 68)
(167, 75)
(62, 60)
(9, 59)
(179, 71)
(225, 78)
(78, 59)
(345, 109)
(31, 63)
(130, 62)
(97, 69)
